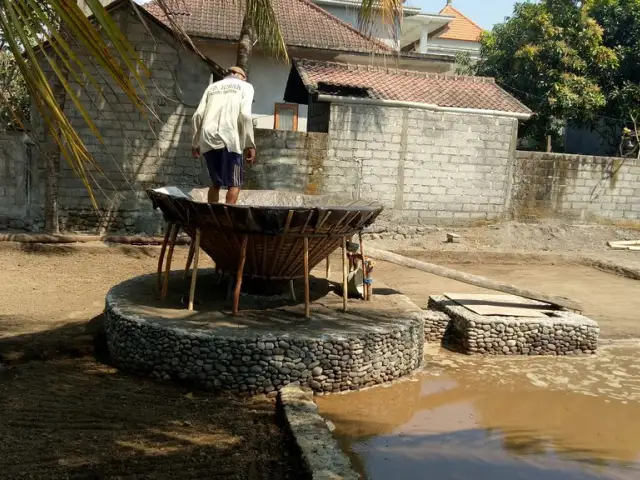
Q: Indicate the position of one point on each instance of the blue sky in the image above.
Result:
(485, 13)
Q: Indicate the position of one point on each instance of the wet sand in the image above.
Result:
(498, 418)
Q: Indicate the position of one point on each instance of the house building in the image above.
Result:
(432, 147)
(443, 34)
(459, 35)
(310, 32)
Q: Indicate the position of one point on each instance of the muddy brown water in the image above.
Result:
(497, 418)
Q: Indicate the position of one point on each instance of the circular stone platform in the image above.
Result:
(269, 344)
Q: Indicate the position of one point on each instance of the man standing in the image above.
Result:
(223, 130)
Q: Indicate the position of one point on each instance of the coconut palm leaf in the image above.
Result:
(26, 24)
(266, 29)
(54, 42)
(389, 12)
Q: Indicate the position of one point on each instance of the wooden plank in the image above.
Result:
(196, 250)
(293, 290)
(307, 294)
(365, 289)
(190, 256)
(172, 243)
(243, 258)
(345, 275)
(476, 280)
(500, 305)
(619, 243)
(281, 239)
(168, 229)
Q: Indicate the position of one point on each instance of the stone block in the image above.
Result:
(561, 333)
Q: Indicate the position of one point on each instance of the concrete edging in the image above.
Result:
(321, 454)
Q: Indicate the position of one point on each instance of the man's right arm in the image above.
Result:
(197, 123)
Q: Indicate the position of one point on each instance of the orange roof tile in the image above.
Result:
(460, 28)
(303, 24)
(480, 93)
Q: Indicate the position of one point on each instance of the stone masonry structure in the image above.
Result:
(563, 333)
(354, 350)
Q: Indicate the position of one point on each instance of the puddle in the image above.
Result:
(498, 418)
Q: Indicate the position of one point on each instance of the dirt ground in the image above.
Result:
(77, 418)
(74, 417)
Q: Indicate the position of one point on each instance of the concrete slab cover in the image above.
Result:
(501, 305)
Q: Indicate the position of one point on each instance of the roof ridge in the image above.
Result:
(345, 24)
(462, 16)
(395, 71)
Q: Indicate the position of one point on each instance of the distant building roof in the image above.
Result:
(302, 23)
(460, 28)
(478, 93)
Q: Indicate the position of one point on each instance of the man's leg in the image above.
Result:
(214, 194)
(235, 177)
(232, 195)
(214, 160)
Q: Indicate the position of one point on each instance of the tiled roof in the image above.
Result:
(460, 28)
(302, 23)
(480, 93)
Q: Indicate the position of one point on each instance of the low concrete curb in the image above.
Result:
(321, 454)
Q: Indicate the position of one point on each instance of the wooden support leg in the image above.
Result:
(293, 290)
(328, 266)
(192, 249)
(168, 228)
(243, 258)
(172, 243)
(196, 248)
(365, 289)
(307, 294)
(345, 292)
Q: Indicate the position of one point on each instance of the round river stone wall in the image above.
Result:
(261, 351)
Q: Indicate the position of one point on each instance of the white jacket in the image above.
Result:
(223, 118)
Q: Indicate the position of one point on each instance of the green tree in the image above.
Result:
(550, 55)
(14, 98)
(620, 21)
(465, 65)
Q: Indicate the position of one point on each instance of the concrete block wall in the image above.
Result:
(575, 188)
(15, 153)
(138, 152)
(425, 166)
(287, 160)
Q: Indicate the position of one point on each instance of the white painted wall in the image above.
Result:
(451, 47)
(349, 14)
(268, 77)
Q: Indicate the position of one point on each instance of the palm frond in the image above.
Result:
(25, 23)
(266, 29)
(389, 13)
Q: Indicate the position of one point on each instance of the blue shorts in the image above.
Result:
(225, 168)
